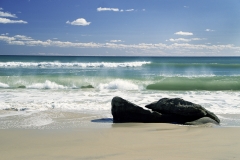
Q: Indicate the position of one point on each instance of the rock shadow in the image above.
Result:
(103, 120)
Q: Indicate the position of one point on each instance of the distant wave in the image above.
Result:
(197, 65)
(199, 83)
(72, 64)
(189, 75)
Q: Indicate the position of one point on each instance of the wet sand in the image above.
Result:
(134, 141)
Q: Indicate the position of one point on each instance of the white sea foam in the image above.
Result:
(3, 85)
(187, 75)
(29, 103)
(118, 84)
(46, 85)
(86, 100)
(73, 64)
(37, 120)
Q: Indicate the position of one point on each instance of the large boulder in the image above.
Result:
(186, 111)
(177, 111)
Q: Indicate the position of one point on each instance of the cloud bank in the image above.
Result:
(145, 47)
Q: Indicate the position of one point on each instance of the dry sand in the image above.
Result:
(134, 141)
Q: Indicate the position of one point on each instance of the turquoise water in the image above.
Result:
(37, 83)
(155, 73)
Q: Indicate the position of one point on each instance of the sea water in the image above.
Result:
(37, 91)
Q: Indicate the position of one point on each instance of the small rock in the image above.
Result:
(11, 109)
(22, 86)
(88, 86)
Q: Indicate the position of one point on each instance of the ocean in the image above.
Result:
(38, 91)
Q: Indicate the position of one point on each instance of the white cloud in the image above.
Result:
(209, 30)
(9, 15)
(79, 22)
(6, 14)
(184, 39)
(184, 33)
(107, 9)
(115, 41)
(179, 39)
(186, 6)
(4, 34)
(197, 39)
(114, 9)
(23, 38)
(143, 9)
(129, 10)
(5, 21)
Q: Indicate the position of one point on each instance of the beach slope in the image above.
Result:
(135, 141)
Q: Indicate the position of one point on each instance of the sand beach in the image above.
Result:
(135, 141)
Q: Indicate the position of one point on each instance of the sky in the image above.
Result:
(120, 27)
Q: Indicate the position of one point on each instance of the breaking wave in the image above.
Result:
(72, 64)
(3, 85)
(119, 85)
(46, 85)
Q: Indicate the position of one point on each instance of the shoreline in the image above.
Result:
(122, 141)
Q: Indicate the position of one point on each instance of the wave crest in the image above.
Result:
(73, 64)
(46, 85)
(3, 85)
(118, 85)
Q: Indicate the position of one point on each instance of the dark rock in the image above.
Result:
(22, 86)
(23, 109)
(203, 120)
(184, 110)
(177, 106)
(125, 111)
(176, 111)
(11, 109)
(88, 86)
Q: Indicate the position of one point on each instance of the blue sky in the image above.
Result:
(120, 27)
